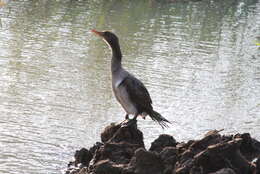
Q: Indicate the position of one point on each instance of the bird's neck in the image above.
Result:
(116, 58)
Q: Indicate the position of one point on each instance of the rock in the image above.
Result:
(224, 171)
(257, 171)
(184, 167)
(109, 132)
(120, 143)
(212, 153)
(122, 151)
(95, 147)
(161, 142)
(119, 146)
(249, 146)
(220, 155)
(119, 153)
(107, 167)
(82, 171)
(82, 156)
(115, 133)
(210, 138)
(144, 162)
(169, 156)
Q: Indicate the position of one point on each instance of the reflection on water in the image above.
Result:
(199, 61)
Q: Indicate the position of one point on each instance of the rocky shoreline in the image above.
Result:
(122, 151)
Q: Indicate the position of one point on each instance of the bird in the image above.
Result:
(129, 91)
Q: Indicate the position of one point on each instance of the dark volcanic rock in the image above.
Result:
(224, 171)
(257, 165)
(119, 153)
(169, 155)
(82, 156)
(122, 151)
(212, 153)
(210, 138)
(118, 149)
(107, 167)
(220, 155)
(144, 162)
(95, 147)
(120, 143)
(161, 142)
(109, 132)
(116, 133)
(249, 146)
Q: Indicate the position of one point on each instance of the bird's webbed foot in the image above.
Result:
(126, 120)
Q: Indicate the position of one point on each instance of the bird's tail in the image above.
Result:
(160, 119)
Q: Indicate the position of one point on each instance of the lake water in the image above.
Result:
(200, 61)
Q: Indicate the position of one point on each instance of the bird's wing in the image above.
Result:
(137, 92)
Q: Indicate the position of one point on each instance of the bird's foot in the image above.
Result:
(124, 122)
(129, 122)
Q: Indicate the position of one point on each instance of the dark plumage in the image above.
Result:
(129, 91)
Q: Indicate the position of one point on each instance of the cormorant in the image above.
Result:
(128, 90)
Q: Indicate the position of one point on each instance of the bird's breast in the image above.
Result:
(117, 82)
(117, 78)
(123, 98)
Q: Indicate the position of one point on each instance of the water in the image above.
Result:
(199, 60)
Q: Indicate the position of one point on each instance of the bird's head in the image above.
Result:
(109, 37)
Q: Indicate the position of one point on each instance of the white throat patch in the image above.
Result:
(107, 44)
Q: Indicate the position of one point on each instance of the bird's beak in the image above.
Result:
(101, 34)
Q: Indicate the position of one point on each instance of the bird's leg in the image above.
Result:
(126, 119)
(130, 122)
(135, 117)
(127, 116)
